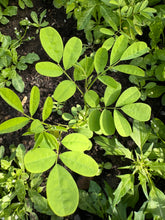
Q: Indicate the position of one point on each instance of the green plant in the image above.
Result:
(23, 3)
(103, 18)
(93, 113)
(147, 161)
(37, 22)
(47, 151)
(6, 11)
(11, 62)
(20, 191)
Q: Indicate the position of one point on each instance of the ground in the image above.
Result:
(67, 29)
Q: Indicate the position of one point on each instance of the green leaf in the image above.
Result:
(49, 69)
(94, 120)
(91, 98)
(80, 163)
(107, 13)
(40, 202)
(34, 100)
(84, 18)
(129, 69)
(64, 90)
(135, 50)
(100, 59)
(155, 91)
(129, 96)
(72, 52)
(108, 43)
(138, 111)
(12, 99)
(83, 69)
(18, 83)
(140, 133)
(39, 160)
(156, 203)
(107, 123)
(112, 91)
(13, 124)
(126, 185)
(36, 126)
(20, 153)
(62, 192)
(77, 142)
(112, 146)
(47, 109)
(20, 190)
(122, 125)
(52, 43)
(49, 140)
(118, 49)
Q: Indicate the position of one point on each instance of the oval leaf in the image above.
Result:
(11, 98)
(62, 192)
(47, 109)
(108, 43)
(80, 163)
(52, 43)
(77, 142)
(138, 111)
(64, 91)
(34, 100)
(122, 125)
(129, 96)
(84, 69)
(100, 59)
(107, 123)
(91, 98)
(129, 69)
(13, 124)
(72, 52)
(118, 49)
(39, 160)
(94, 120)
(49, 69)
(136, 49)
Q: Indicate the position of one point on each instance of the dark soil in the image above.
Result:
(67, 29)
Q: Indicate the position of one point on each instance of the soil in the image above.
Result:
(67, 29)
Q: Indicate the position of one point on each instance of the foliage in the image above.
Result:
(20, 191)
(23, 3)
(100, 18)
(37, 22)
(6, 11)
(11, 63)
(93, 114)
(47, 151)
(145, 163)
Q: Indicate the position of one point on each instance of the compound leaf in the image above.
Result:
(129, 96)
(80, 163)
(100, 59)
(77, 142)
(11, 98)
(39, 160)
(47, 109)
(107, 123)
(122, 125)
(135, 50)
(49, 69)
(13, 124)
(62, 192)
(34, 100)
(72, 52)
(118, 49)
(52, 43)
(138, 111)
(64, 90)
